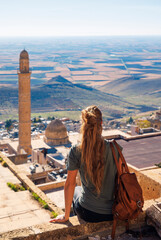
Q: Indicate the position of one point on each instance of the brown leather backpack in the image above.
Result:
(128, 201)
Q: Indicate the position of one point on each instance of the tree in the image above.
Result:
(130, 120)
(143, 124)
(51, 118)
(36, 120)
(8, 124)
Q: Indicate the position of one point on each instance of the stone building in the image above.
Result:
(156, 120)
(24, 76)
(56, 133)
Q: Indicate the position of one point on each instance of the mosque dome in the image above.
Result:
(24, 55)
(56, 133)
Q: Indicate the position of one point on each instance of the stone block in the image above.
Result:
(154, 217)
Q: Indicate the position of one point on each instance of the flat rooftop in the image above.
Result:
(143, 152)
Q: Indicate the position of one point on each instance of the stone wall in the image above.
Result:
(38, 156)
(57, 163)
(151, 188)
(18, 159)
(8, 147)
(3, 146)
(51, 185)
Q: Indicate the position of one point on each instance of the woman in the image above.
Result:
(94, 160)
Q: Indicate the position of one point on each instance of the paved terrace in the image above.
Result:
(18, 209)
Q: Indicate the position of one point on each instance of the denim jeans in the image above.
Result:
(85, 214)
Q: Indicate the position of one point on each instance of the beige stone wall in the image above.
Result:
(57, 163)
(11, 150)
(18, 159)
(151, 188)
(34, 155)
(38, 156)
(42, 159)
(8, 147)
(3, 146)
(51, 185)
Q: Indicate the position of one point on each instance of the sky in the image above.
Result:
(79, 17)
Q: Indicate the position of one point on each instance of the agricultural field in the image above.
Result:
(127, 67)
(91, 61)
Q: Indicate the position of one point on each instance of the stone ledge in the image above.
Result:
(73, 229)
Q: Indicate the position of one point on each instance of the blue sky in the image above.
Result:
(80, 17)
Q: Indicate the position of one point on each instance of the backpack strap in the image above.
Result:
(114, 228)
(116, 183)
(119, 172)
(115, 158)
(123, 164)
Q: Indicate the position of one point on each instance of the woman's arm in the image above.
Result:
(68, 195)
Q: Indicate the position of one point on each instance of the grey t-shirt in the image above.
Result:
(89, 198)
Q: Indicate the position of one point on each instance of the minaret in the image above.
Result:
(24, 76)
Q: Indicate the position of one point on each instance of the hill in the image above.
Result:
(136, 90)
(61, 94)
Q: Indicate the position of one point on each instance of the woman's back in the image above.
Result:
(90, 199)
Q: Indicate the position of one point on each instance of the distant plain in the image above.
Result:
(129, 67)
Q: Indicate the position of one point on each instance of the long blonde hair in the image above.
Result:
(92, 145)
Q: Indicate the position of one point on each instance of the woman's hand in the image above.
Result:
(59, 218)
(68, 193)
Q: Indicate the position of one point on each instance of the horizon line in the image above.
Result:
(52, 36)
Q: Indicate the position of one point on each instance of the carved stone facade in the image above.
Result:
(24, 104)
